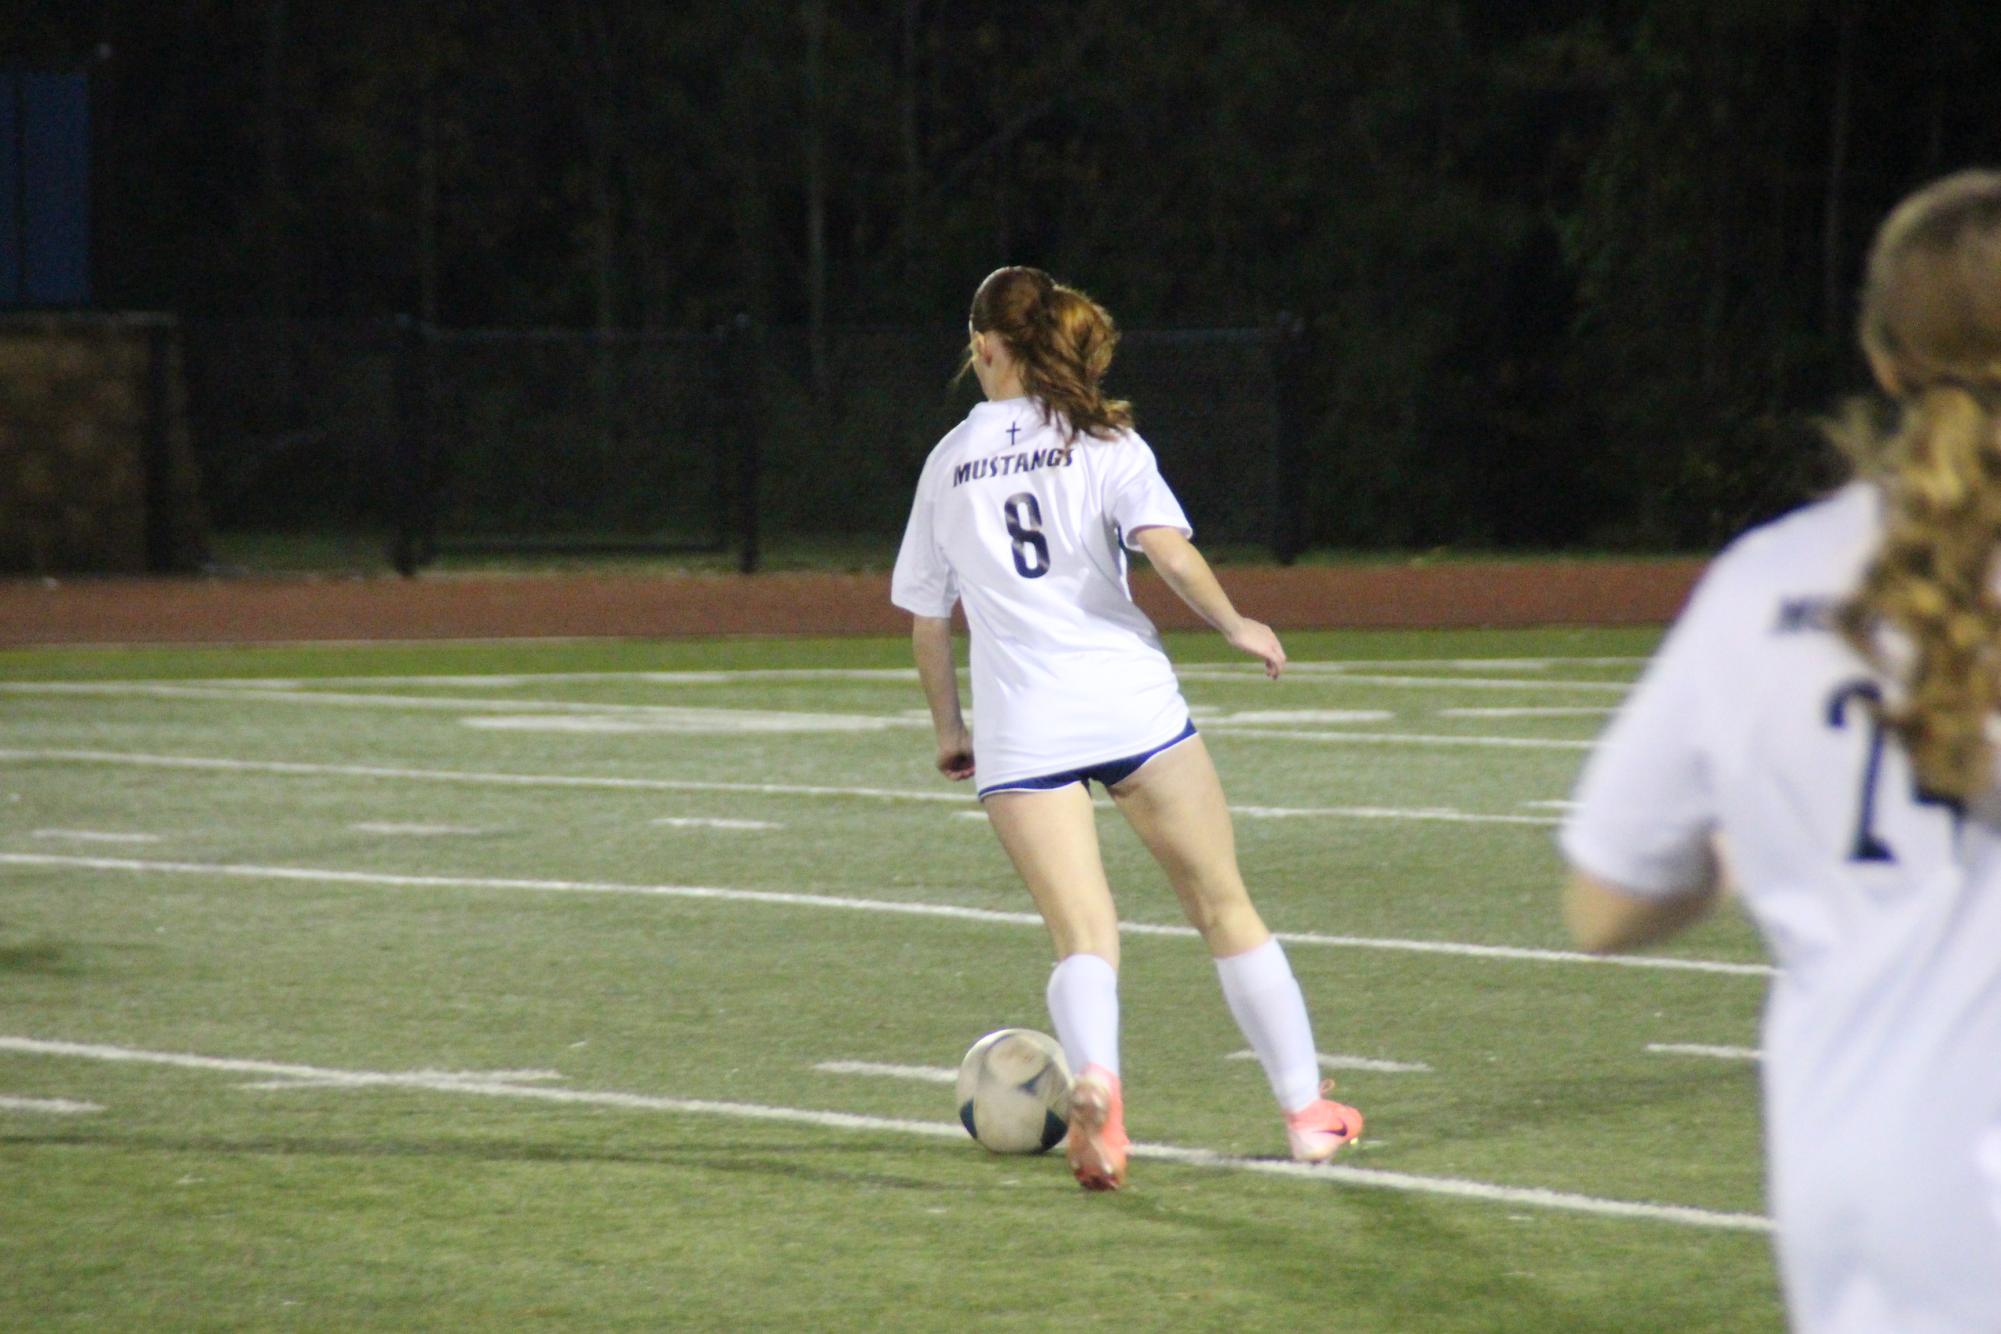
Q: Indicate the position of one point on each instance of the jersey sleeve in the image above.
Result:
(1645, 808)
(923, 583)
(1137, 496)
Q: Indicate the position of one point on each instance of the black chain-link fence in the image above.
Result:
(545, 438)
(295, 425)
(424, 441)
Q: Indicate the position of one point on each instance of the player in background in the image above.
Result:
(1827, 706)
(1025, 512)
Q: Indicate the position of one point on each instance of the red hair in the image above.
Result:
(1063, 341)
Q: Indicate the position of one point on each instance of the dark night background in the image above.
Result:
(1569, 274)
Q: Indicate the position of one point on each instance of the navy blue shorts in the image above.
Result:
(1108, 773)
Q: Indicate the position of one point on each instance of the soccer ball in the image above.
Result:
(1014, 1091)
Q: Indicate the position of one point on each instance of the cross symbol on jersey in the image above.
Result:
(1011, 429)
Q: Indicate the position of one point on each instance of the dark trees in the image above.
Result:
(1575, 272)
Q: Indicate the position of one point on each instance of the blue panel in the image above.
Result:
(10, 189)
(55, 161)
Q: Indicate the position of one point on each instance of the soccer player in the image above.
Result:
(1025, 512)
(1825, 709)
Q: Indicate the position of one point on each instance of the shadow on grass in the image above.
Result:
(764, 1160)
(47, 959)
(1559, 1103)
(1385, 1261)
(1376, 1261)
(1381, 1262)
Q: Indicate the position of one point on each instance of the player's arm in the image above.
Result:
(1605, 918)
(1643, 840)
(1182, 568)
(931, 643)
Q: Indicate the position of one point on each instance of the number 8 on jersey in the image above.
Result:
(1024, 525)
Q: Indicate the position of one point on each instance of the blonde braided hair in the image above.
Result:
(1931, 326)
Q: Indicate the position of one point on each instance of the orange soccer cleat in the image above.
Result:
(1097, 1139)
(1317, 1132)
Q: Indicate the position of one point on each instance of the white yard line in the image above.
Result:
(929, 1074)
(516, 680)
(411, 829)
(707, 822)
(1208, 717)
(1437, 813)
(293, 691)
(936, 1074)
(48, 1106)
(354, 1080)
(1536, 711)
(716, 721)
(661, 717)
(1338, 1174)
(633, 719)
(1465, 664)
(1408, 739)
(1331, 1061)
(94, 836)
(1440, 814)
(1547, 685)
(1716, 1053)
(579, 716)
(305, 769)
(960, 797)
(331, 876)
(753, 675)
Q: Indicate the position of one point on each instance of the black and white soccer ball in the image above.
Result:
(1014, 1091)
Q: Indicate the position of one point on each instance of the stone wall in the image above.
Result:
(96, 473)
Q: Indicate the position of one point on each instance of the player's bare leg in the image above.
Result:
(1052, 838)
(1175, 803)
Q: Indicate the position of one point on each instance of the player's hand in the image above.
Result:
(1258, 639)
(955, 755)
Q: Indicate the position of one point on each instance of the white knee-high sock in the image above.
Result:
(1084, 1003)
(1265, 1000)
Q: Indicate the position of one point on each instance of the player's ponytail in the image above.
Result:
(1063, 341)
(1931, 324)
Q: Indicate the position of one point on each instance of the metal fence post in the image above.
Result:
(156, 461)
(416, 498)
(747, 353)
(1291, 349)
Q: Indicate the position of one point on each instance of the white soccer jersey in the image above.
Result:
(1882, 908)
(1030, 531)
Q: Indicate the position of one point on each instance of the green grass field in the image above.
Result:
(491, 987)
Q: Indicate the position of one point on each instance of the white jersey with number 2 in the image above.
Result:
(1030, 531)
(1882, 909)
